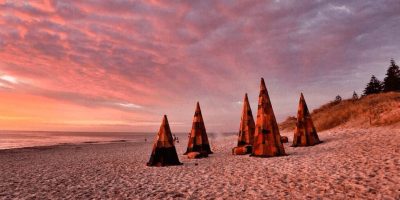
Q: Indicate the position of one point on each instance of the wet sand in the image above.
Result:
(351, 163)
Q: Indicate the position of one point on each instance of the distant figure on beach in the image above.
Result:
(175, 138)
(145, 139)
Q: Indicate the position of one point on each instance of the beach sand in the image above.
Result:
(351, 163)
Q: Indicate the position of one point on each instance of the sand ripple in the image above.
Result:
(352, 164)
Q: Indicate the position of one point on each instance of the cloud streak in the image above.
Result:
(147, 58)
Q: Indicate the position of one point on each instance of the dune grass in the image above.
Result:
(372, 110)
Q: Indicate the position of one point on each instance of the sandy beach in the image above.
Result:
(349, 164)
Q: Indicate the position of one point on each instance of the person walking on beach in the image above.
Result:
(174, 136)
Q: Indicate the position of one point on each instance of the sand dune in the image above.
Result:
(363, 164)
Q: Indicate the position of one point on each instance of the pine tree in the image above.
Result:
(355, 96)
(338, 99)
(392, 79)
(374, 86)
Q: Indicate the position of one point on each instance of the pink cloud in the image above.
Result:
(164, 56)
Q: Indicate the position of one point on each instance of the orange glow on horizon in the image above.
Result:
(28, 112)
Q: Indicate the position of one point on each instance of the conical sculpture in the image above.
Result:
(198, 140)
(267, 139)
(246, 130)
(164, 152)
(247, 125)
(305, 133)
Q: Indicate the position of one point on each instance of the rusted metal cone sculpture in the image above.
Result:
(267, 139)
(246, 130)
(164, 152)
(198, 140)
(304, 133)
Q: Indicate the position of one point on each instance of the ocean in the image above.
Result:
(20, 139)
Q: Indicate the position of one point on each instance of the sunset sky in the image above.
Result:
(120, 65)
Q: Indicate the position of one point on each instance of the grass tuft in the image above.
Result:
(372, 110)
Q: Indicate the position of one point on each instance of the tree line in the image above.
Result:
(391, 83)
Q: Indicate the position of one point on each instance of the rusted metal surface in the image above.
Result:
(198, 140)
(164, 152)
(247, 125)
(242, 150)
(194, 155)
(246, 130)
(284, 139)
(267, 139)
(305, 133)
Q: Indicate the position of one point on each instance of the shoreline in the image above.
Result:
(103, 138)
(350, 163)
(51, 146)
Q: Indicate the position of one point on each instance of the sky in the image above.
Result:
(92, 65)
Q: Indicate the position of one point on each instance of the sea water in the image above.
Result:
(19, 139)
